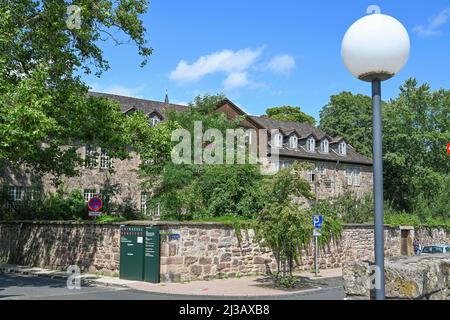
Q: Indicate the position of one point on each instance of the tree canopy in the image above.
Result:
(290, 113)
(349, 116)
(416, 130)
(44, 104)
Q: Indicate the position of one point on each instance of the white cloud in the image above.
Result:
(281, 64)
(236, 80)
(227, 61)
(118, 89)
(432, 28)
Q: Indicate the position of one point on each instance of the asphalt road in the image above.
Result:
(14, 286)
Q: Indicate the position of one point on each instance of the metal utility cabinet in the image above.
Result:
(139, 253)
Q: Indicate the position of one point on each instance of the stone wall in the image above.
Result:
(424, 277)
(202, 251)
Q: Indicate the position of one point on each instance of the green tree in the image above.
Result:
(349, 116)
(44, 104)
(289, 113)
(416, 132)
(280, 225)
(187, 191)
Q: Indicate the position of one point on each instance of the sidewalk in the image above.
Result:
(234, 287)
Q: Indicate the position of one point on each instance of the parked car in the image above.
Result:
(437, 248)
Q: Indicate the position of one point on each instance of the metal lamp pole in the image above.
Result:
(378, 187)
(374, 49)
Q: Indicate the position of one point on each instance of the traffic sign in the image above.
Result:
(94, 214)
(95, 204)
(317, 221)
(448, 148)
(316, 233)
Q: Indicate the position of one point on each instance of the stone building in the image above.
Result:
(338, 166)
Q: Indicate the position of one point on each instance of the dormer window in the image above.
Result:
(154, 121)
(278, 140)
(311, 144)
(325, 146)
(343, 148)
(293, 142)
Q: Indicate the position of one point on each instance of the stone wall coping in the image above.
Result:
(183, 224)
(129, 223)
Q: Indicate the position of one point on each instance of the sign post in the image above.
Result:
(317, 223)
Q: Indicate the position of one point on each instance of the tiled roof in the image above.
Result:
(147, 106)
(351, 157)
(303, 130)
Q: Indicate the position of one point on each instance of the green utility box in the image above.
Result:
(139, 253)
(151, 255)
(132, 253)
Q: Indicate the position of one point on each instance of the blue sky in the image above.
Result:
(264, 53)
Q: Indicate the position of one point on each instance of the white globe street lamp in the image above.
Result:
(374, 49)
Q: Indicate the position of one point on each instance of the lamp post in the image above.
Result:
(374, 49)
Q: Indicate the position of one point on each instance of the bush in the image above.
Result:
(352, 209)
(56, 206)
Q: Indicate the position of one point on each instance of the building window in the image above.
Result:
(353, 176)
(325, 146)
(154, 121)
(320, 169)
(144, 199)
(105, 160)
(311, 145)
(357, 177)
(311, 175)
(283, 164)
(32, 193)
(278, 140)
(15, 194)
(349, 176)
(89, 194)
(156, 210)
(249, 136)
(343, 148)
(90, 159)
(293, 142)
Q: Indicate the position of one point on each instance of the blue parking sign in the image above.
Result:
(317, 221)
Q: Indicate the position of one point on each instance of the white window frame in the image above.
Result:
(311, 144)
(90, 157)
(349, 176)
(278, 140)
(325, 146)
(343, 148)
(357, 177)
(144, 199)
(88, 194)
(15, 193)
(32, 193)
(105, 160)
(320, 169)
(293, 142)
(156, 211)
(312, 176)
(154, 121)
